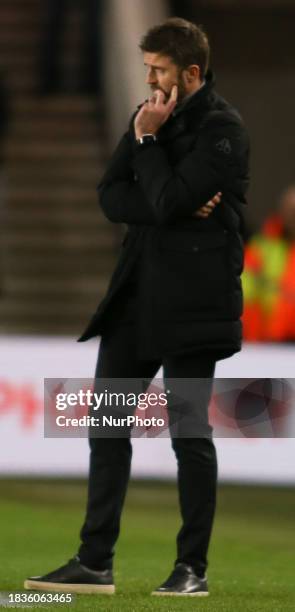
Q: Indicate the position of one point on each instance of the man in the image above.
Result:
(175, 297)
(269, 277)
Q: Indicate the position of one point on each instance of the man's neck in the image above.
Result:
(192, 93)
(182, 103)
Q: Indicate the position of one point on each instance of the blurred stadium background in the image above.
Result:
(70, 77)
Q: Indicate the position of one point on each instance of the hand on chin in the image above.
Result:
(154, 93)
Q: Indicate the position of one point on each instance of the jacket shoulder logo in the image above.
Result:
(224, 146)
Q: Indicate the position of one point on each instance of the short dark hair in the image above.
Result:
(183, 41)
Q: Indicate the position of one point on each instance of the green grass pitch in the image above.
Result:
(251, 557)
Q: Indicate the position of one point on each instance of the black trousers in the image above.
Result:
(110, 459)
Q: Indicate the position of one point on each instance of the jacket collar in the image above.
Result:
(198, 99)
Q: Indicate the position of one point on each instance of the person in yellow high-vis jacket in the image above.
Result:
(269, 277)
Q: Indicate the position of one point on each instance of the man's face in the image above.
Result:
(162, 74)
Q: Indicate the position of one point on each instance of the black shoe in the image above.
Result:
(73, 578)
(183, 581)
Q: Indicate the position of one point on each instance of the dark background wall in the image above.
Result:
(253, 55)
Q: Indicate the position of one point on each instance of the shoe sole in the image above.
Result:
(83, 589)
(173, 594)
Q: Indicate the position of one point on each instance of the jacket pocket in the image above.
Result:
(193, 273)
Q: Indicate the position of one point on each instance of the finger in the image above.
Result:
(153, 98)
(174, 94)
(144, 108)
(201, 214)
(212, 203)
(208, 207)
(173, 99)
(159, 97)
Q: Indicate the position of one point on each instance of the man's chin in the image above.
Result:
(162, 90)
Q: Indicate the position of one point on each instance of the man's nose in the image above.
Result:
(151, 78)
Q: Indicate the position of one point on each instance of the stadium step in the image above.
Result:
(58, 250)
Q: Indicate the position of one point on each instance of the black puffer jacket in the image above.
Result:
(187, 269)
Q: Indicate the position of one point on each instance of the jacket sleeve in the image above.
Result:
(120, 195)
(219, 157)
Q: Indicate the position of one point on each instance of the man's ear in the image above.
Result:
(192, 74)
